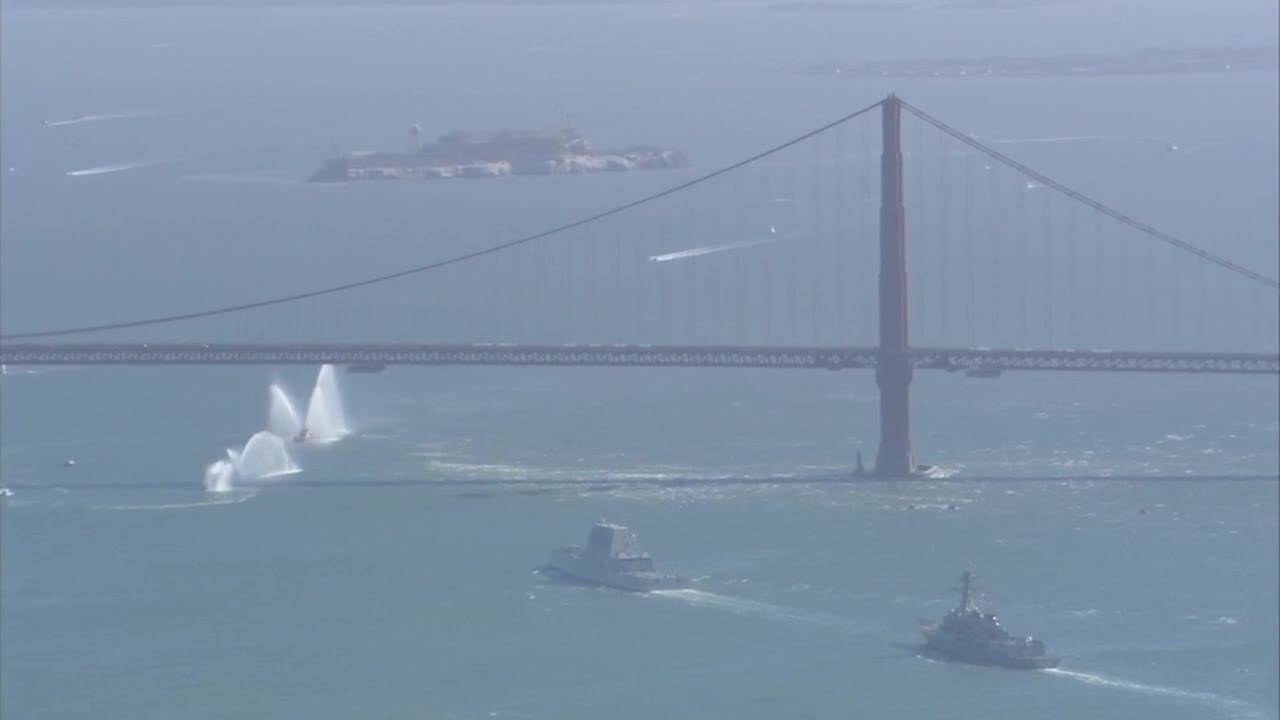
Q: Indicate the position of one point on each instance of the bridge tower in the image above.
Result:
(893, 365)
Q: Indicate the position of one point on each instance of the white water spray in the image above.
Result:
(282, 417)
(324, 422)
(218, 477)
(325, 417)
(264, 456)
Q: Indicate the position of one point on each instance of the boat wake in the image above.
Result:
(98, 118)
(105, 169)
(772, 237)
(4, 370)
(755, 608)
(119, 167)
(708, 250)
(1231, 707)
(182, 506)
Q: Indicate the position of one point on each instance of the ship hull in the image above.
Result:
(570, 567)
(945, 647)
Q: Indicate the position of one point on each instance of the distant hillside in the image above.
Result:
(29, 4)
(825, 5)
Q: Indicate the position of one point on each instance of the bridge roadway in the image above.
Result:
(823, 358)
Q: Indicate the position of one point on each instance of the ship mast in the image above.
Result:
(966, 580)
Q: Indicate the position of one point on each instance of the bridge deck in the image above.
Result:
(826, 358)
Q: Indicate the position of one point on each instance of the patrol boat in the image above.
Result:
(612, 557)
(969, 635)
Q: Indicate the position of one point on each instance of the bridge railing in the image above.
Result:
(815, 357)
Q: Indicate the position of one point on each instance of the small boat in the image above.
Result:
(304, 435)
(366, 368)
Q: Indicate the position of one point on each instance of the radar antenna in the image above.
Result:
(967, 592)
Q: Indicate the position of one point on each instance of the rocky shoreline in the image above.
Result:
(493, 155)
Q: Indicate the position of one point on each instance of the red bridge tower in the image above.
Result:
(893, 367)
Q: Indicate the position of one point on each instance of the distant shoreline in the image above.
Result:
(1156, 61)
(767, 5)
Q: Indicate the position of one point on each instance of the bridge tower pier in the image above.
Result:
(894, 458)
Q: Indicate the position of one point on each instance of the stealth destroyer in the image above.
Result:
(612, 557)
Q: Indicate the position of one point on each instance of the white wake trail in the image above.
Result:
(1232, 707)
(180, 506)
(706, 250)
(99, 118)
(754, 608)
(723, 247)
(121, 167)
(104, 169)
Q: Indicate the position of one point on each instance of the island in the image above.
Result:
(495, 154)
(1155, 61)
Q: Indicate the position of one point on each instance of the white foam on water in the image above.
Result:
(1230, 707)
(707, 250)
(98, 118)
(105, 169)
(121, 167)
(180, 506)
(754, 608)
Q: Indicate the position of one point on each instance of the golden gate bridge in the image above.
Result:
(613, 276)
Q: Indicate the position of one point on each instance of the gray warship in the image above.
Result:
(612, 557)
(969, 635)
